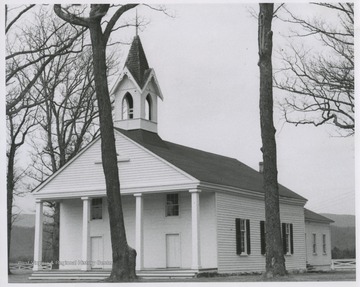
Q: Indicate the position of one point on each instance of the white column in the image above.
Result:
(139, 234)
(195, 228)
(86, 234)
(38, 235)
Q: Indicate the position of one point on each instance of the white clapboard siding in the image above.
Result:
(142, 169)
(231, 206)
(70, 247)
(319, 258)
(295, 214)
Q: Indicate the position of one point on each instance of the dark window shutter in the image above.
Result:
(291, 239)
(262, 237)
(238, 237)
(248, 243)
(284, 236)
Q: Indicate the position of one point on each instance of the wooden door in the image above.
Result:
(97, 255)
(173, 251)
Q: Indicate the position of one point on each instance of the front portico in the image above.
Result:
(148, 228)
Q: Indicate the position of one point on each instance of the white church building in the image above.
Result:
(184, 209)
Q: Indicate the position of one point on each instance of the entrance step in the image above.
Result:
(69, 275)
(103, 274)
(166, 274)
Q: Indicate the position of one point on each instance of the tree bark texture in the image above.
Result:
(122, 253)
(55, 236)
(10, 195)
(275, 261)
(124, 257)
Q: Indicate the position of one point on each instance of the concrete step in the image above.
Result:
(60, 278)
(69, 276)
(100, 275)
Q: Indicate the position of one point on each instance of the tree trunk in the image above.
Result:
(275, 261)
(10, 196)
(123, 268)
(55, 235)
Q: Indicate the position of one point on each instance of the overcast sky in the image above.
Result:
(205, 59)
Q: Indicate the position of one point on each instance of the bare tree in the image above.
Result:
(320, 84)
(21, 58)
(275, 262)
(23, 53)
(67, 122)
(18, 125)
(123, 267)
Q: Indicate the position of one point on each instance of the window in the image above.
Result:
(262, 237)
(242, 230)
(172, 204)
(127, 107)
(148, 106)
(96, 208)
(314, 243)
(324, 243)
(287, 236)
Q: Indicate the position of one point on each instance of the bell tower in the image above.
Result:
(136, 92)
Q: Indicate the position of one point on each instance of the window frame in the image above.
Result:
(288, 238)
(95, 207)
(324, 244)
(314, 244)
(242, 236)
(172, 205)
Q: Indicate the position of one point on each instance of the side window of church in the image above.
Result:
(96, 208)
(242, 230)
(288, 238)
(172, 204)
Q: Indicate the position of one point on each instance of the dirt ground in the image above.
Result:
(23, 277)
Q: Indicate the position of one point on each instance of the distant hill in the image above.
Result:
(343, 237)
(22, 238)
(343, 234)
(341, 220)
(22, 243)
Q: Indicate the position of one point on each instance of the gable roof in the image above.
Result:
(204, 166)
(137, 63)
(312, 216)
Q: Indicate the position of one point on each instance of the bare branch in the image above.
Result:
(70, 17)
(320, 87)
(115, 18)
(18, 17)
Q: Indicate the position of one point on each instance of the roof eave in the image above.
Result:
(249, 193)
(125, 72)
(152, 75)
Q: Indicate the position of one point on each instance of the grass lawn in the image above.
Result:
(23, 277)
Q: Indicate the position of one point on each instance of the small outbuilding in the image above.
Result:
(318, 241)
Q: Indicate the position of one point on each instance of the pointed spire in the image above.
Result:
(136, 62)
(137, 24)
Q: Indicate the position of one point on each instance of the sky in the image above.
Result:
(205, 59)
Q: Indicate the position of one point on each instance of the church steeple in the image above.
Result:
(136, 61)
(136, 92)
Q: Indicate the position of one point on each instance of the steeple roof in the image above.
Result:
(137, 63)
